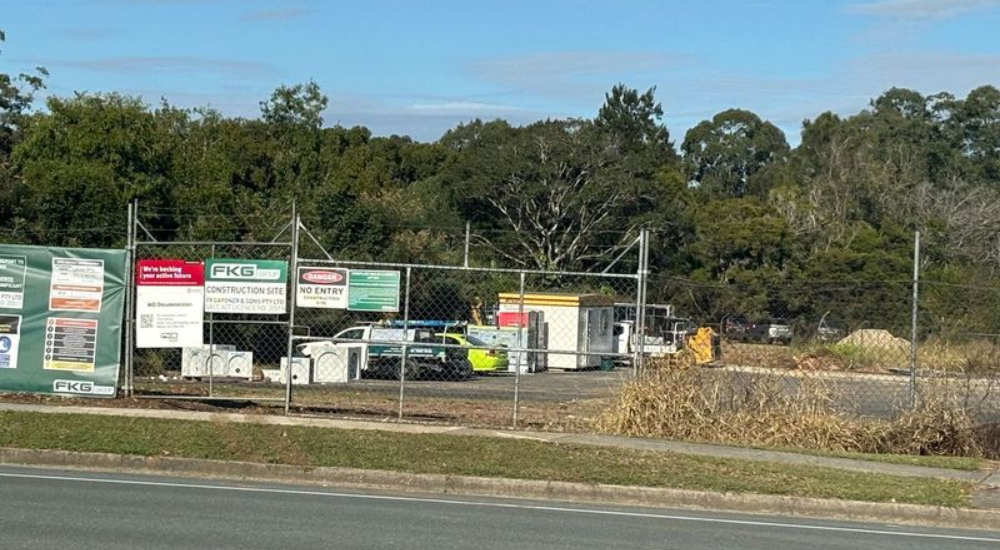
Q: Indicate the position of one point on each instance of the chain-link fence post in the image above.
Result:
(293, 274)
(521, 344)
(210, 360)
(640, 306)
(913, 320)
(468, 240)
(406, 339)
(129, 298)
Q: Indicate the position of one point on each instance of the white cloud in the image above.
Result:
(128, 65)
(421, 117)
(282, 14)
(89, 34)
(571, 73)
(927, 72)
(921, 9)
(475, 108)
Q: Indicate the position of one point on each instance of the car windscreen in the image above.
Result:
(472, 340)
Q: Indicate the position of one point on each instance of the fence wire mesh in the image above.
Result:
(472, 337)
(553, 350)
(851, 343)
(241, 355)
(958, 358)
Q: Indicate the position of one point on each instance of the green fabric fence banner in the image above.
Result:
(61, 319)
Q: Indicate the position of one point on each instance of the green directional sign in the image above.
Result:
(369, 290)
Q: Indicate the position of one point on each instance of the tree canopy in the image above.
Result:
(735, 211)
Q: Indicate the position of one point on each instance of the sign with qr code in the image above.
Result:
(61, 319)
(170, 303)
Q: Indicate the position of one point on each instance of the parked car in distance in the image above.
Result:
(829, 330)
(488, 359)
(771, 331)
(735, 326)
(381, 352)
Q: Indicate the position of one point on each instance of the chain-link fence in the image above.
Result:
(475, 346)
(489, 346)
(848, 340)
(958, 357)
(850, 344)
(239, 345)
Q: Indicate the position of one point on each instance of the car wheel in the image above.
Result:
(412, 370)
(462, 370)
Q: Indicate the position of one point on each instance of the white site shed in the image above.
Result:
(582, 323)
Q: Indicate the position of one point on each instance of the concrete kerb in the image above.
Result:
(432, 484)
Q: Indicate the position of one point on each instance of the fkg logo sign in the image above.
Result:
(244, 272)
(82, 387)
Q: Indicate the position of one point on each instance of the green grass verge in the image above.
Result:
(947, 462)
(444, 454)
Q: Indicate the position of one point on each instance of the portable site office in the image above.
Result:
(582, 323)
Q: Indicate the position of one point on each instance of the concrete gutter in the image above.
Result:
(432, 484)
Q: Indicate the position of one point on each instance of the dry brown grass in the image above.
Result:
(678, 400)
(978, 358)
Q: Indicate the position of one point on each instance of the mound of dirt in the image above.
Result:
(875, 338)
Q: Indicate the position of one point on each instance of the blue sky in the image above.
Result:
(420, 67)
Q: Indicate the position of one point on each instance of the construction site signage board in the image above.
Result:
(370, 290)
(61, 320)
(321, 287)
(170, 304)
(256, 287)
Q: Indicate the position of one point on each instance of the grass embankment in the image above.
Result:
(444, 454)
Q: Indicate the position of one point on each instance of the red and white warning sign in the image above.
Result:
(324, 288)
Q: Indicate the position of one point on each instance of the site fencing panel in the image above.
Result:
(487, 346)
(473, 336)
(246, 323)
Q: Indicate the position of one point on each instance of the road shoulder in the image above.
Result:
(434, 484)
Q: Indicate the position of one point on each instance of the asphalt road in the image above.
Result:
(84, 511)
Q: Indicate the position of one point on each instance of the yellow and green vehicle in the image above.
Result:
(483, 356)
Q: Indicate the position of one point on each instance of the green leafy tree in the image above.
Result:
(546, 195)
(17, 93)
(973, 129)
(636, 122)
(301, 104)
(726, 155)
(83, 161)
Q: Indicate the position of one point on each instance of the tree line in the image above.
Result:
(741, 221)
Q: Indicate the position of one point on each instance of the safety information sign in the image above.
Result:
(77, 285)
(324, 288)
(373, 290)
(170, 304)
(70, 344)
(10, 338)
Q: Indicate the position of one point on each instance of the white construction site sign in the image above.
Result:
(258, 287)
